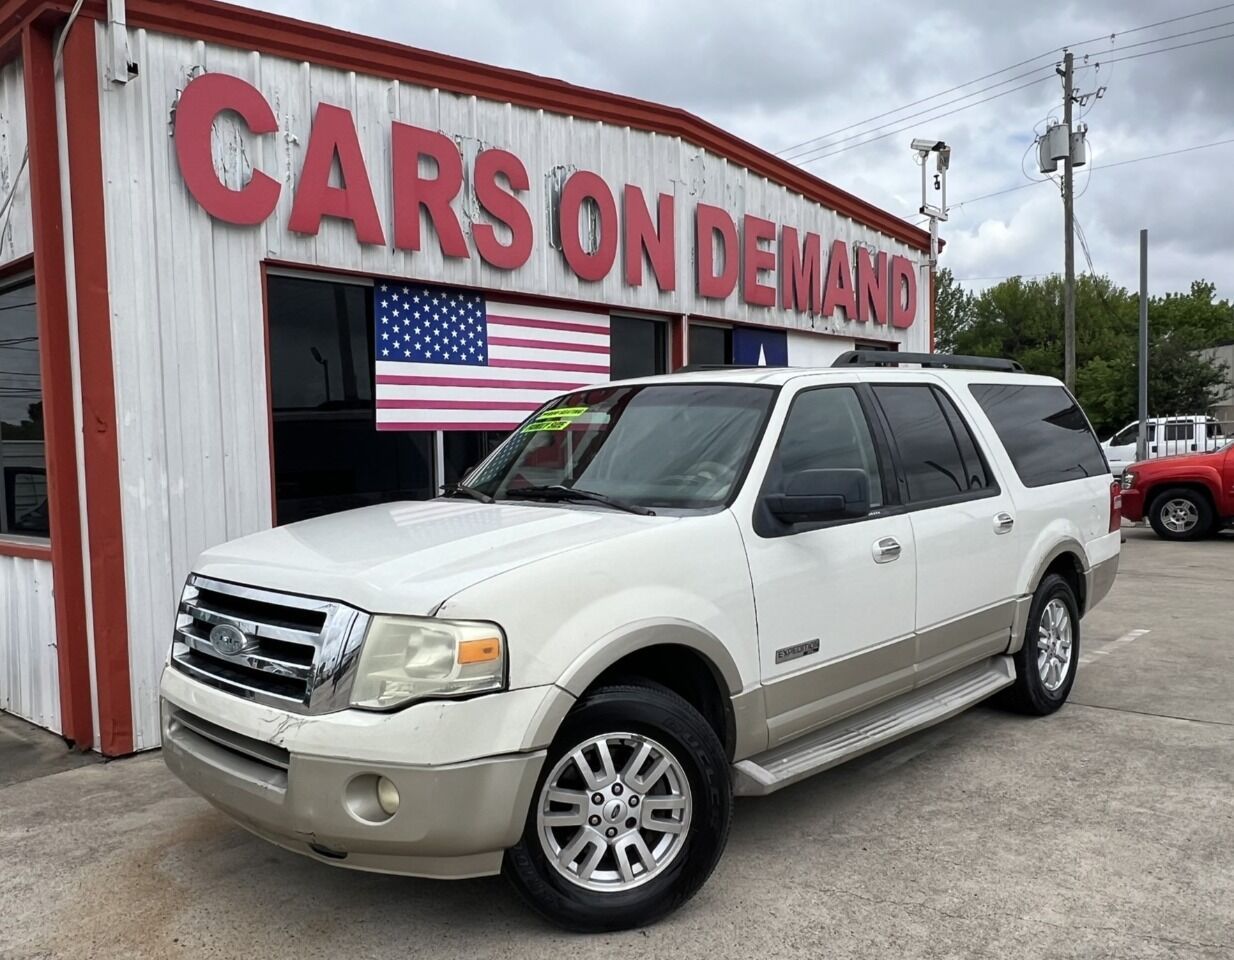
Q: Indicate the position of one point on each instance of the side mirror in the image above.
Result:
(815, 496)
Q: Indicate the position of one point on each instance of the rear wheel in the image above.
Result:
(1181, 514)
(1046, 662)
(630, 815)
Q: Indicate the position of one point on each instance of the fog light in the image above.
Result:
(387, 796)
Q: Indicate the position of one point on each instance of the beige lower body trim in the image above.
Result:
(1100, 578)
(821, 695)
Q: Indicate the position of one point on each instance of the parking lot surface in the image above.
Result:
(1106, 830)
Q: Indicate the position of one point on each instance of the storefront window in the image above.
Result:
(710, 346)
(23, 466)
(328, 454)
(637, 348)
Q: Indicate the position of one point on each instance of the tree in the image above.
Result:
(1023, 319)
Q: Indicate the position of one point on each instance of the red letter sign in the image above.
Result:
(708, 222)
(504, 208)
(903, 292)
(839, 291)
(755, 260)
(407, 145)
(585, 185)
(801, 276)
(202, 101)
(872, 287)
(334, 134)
(642, 234)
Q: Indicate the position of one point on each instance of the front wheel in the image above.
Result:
(630, 815)
(1046, 663)
(1181, 514)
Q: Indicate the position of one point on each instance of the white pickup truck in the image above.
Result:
(652, 596)
(1167, 437)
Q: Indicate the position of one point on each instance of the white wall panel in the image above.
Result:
(807, 350)
(29, 670)
(17, 240)
(186, 297)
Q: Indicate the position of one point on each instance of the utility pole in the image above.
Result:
(1069, 235)
(1141, 446)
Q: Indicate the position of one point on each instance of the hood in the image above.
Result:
(1211, 458)
(410, 557)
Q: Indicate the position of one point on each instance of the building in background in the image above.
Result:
(192, 269)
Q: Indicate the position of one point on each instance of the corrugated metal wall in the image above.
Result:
(29, 680)
(17, 241)
(29, 676)
(187, 309)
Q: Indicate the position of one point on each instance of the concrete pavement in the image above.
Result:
(1106, 830)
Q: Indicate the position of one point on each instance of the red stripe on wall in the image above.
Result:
(549, 365)
(548, 345)
(105, 530)
(398, 404)
(600, 329)
(398, 379)
(55, 361)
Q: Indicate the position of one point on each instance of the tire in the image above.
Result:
(1181, 513)
(694, 794)
(1043, 680)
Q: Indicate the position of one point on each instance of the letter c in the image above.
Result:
(202, 101)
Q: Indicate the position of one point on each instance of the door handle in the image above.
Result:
(886, 549)
(1003, 522)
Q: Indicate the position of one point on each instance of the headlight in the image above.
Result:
(1128, 480)
(410, 658)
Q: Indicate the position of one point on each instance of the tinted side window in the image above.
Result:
(976, 474)
(826, 428)
(930, 454)
(1044, 431)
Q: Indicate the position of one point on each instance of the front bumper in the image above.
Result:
(1133, 504)
(454, 819)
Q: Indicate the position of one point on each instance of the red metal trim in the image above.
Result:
(76, 717)
(105, 529)
(268, 33)
(25, 551)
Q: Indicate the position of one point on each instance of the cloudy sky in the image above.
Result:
(780, 74)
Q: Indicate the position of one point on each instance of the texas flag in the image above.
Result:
(757, 347)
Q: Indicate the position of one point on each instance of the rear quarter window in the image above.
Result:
(1044, 431)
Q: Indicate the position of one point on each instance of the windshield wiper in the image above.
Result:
(454, 489)
(556, 491)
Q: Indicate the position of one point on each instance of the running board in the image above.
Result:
(776, 768)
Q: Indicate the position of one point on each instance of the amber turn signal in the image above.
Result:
(479, 651)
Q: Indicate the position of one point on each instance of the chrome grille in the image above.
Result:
(297, 653)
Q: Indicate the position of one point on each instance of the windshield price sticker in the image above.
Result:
(558, 418)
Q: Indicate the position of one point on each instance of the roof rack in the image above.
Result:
(893, 358)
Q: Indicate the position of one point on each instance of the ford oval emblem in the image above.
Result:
(228, 640)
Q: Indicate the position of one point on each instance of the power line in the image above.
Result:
(968, 83)
(945, 103)
(892, 133)
(1097, 166)
(1177, 46)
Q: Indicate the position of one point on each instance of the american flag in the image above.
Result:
(451, 359)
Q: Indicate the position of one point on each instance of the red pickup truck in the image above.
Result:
(1184, 498)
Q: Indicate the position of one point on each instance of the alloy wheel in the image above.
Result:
(1054, 644)
(614, 812)
(1179, 515)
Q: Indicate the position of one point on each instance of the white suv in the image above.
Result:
(654, 595)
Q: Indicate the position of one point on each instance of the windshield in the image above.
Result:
(662, 445)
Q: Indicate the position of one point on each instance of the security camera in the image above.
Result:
(929, 146)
